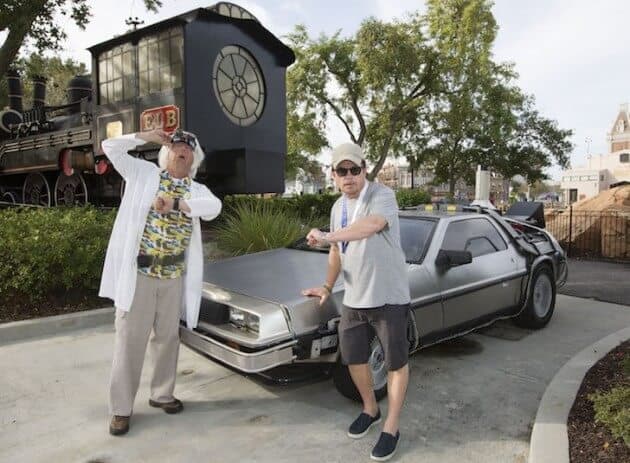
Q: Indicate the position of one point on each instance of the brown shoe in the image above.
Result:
(175, 406)
(119, 425)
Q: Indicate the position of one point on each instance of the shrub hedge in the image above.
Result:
(51, 250)
(409, 198)
(305, 207)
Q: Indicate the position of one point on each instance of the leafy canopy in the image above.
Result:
(39, 22)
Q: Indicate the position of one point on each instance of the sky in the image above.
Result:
(573, 56)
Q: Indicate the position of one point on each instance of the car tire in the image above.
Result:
(541, 301)
(343, 381)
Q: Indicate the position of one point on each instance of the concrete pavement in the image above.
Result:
(604, 281)
(471, 399)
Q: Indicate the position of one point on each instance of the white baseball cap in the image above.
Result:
(347, 152)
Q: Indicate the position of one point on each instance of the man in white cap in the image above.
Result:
(364, 242)
(154, 264)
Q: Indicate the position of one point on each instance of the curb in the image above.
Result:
(57, 324)
(550, 442)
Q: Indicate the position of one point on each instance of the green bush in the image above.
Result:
(306, 207)
(46, 250)
(613, 410)
(254, 226)
(410, 198)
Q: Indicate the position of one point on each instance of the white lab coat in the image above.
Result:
(142, 178)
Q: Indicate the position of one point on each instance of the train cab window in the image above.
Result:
(155, 65)
(116, 73)
(160, 61)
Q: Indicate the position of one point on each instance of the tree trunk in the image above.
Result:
(18, 30)
(10, 49)
(451, 185)
(381, 160)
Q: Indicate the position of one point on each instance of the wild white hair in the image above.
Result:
(198, 157)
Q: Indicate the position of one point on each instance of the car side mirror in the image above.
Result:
(447, 258)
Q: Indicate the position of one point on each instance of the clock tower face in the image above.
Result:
(239, 85)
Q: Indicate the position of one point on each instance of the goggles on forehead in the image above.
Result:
(343, 171)
(179, 136)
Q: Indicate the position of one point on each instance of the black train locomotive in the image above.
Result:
(213, 71)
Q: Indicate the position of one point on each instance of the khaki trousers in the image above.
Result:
(156, 306)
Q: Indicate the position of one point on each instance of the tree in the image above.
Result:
(36, 21)
(373, 83)
(305, 139)
(57, 72)
(480, 116)
(426, 89)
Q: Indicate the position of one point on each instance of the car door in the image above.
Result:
(472, 292)
(416, 235)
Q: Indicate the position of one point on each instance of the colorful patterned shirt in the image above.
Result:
(167, 234)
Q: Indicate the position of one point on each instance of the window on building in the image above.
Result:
(573, 194)
(624, 157)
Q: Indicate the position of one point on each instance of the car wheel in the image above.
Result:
(343, 381)
(541, 302)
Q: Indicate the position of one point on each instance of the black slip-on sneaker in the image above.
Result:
(362, 425)
(385, 447)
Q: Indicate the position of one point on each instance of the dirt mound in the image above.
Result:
(596, 226)
(615, 199)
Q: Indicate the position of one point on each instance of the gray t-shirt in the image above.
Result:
(374, 269)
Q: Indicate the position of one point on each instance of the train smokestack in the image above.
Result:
(15, 90)
(78, 88)
(39, 91)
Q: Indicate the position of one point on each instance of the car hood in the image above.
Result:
(278, 275)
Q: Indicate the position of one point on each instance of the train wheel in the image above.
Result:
(36, 190)
(9, 197)
(70, 190)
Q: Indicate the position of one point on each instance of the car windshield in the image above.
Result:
(415, 235)
(414, 238)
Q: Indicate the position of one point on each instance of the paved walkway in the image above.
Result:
(471, 399)
(604, 281)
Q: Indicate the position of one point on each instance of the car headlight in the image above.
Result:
(244, 320)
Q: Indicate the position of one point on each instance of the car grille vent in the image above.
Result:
(213, 312)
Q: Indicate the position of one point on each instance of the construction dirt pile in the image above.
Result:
(615, 199)
(595, 226)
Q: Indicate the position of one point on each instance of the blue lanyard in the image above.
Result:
(344, 222)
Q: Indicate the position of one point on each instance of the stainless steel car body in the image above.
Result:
(286, 327)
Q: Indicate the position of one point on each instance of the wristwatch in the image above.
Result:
(176, 204)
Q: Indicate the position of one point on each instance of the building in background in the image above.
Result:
(305, 183)
(602, 170)
(423, 178)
